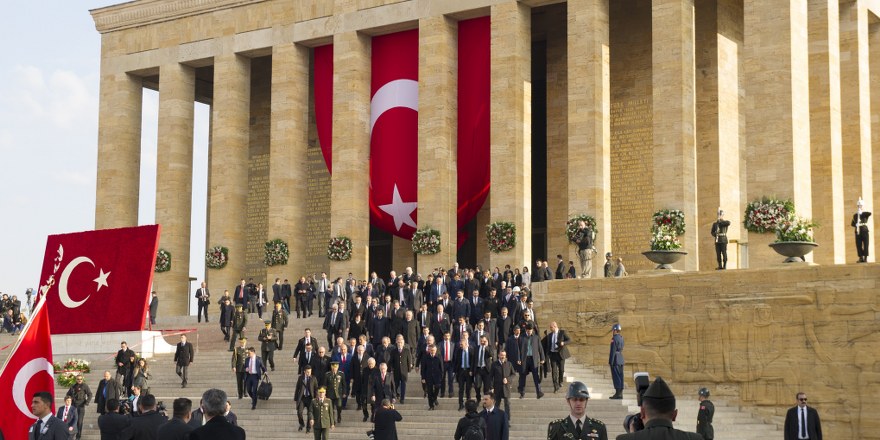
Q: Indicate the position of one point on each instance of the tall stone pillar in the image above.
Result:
(554, 21)
(719, 43)
(589, 121)
(119, 151)
(874, 45)
(510, 119)
(174, 183)
(825, 132)
(288, 145)
(855, 116)
(349, 209)
(674, 116)
(438, 107)
(777, 111)
(228, 173)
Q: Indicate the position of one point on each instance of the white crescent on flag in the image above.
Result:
(22, 378)
(62, 284)
(397, 93)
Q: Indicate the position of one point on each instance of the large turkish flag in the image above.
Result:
(394, 136)
(99, 281)
(27, 370)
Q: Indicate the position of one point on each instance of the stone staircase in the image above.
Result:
(276, 418)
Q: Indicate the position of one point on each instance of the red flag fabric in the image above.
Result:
(99, 281)
(473, 120)
(324, 101)
(27, 370)
(394, 140)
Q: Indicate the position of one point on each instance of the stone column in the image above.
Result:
(589, 120)
(777, 111)
(674, 117)
(826, 166)
(174, 183)
(288, 146)
(558, 179)
(874, 46)
(349, 209)
(719, 42)
(119, 151)
(510, 116)
(228, 173)
(855, 112)
(438, 109)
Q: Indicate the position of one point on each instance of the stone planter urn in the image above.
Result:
(794, 250)
(664, 259)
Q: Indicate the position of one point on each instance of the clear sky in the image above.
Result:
(48, 136)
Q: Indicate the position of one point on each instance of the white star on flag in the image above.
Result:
(402, 212)
(102, 279)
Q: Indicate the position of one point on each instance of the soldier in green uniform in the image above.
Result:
(321, 417)
(577, 426)
(239, 322)
(334, 381)
(279, 323)
(239, 365)
(704, 415)
(658, 412)
(269, 338)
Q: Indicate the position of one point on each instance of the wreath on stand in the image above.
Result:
(217, 257)
(501, 236)
(339, 248)
(767, 214)
(276, 252)
(163, 261)
(426, 241)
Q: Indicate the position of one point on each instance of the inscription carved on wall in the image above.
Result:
(317, 209)
(257, 216)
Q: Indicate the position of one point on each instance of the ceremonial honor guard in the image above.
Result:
(719, 231)
(860, 226)
(577, 425)
(704, 415)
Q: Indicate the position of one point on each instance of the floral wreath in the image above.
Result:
(674, 218)
(217, 257)
(795, 228)
(339, 248)
(163, 261)
(426, 241)
(501, 236)
(766, 214)
(571, 226)
(663, 238)
(70, 370)
(276, 252)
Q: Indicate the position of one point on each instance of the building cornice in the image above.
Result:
(145, 12)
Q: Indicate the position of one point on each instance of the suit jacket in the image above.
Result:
(438, 327)
(378, 329)
(260, 367)
(814, 425)
(218, 428)
(301, 346)
(505, 326)
(492, 305)
(243, 301)
(113, 392)
(435, 292)
(432, 370)
(301, 387)
(498, 372)
(512, 347)
(146, 426)
(441, 349)
(124, 356)
(385, 427)
(547, 342)
(53, 429)
(496, 424)
(114, 426)
(380, 390)
(195, 418)
(461, 307)
(174, 429)
(488, 354)
(401, 362)
(456, 332)
(184, 354)
(71, 417)
(537, 351)
(277, 295)
(457, 359)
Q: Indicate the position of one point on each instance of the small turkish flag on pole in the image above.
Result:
(28, 370)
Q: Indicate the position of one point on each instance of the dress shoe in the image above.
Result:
(521, 395)
(308, 430)
(460, 407)
(365, 418)
(540, 394)
(300, 428)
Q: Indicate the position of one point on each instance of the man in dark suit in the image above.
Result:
(802, 421)
(378, 327)
(108, 389)
(384, 386)
(531, 357)
(306, 390)
(146, 425)
(47, 426)
(500, 376)
(183, 358)
(124, 360)
(463, 361)
(177, 428)
(401, 364)
(154, 308)
(439, 323)
(307, 357)
(321, 366)
(504, 326)
(436, 291)
(446, 352)
(217, 427)
(301, 345)
(497, 427)
(432, 376)
(460, 327)
(482, 363)
(255, 370)
(512, 348)
(68, 415)
(114, 426)
(335, 324)
(242, 294)
(555, 345)
(203, 297)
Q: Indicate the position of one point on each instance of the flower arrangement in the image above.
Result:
(67, 378)
(766, 214)
(163, 261)
(571, 226)
(275, 252)
(673, 218)
(795, 228)
(501, 236)
(76, 365)
(339, 248)
(426, 241)
(664, 238)
(217, 257)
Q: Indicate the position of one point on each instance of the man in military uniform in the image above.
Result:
(321, 416)
(334, 382)
(719, 231)
(860, 225)
(239, 325)
(269, 338)
(658, 412)
(577, 425)
(239, 365)
(609, 266)
(615, 360)
(279, 323)
(704, 415)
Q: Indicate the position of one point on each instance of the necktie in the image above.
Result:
(308, 357)
(343, 359)
(464, 360)
(554, 341)
(482, 363)
(64, 417)
(307, 393)
(446, 355)
(578, 429)
(439, 317)
(38, 428)
(803, 423)
(334, 318)
(241, 293)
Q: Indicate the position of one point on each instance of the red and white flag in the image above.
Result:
(99, 281)
(27, 370)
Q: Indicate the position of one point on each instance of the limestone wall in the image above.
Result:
(756, 336)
